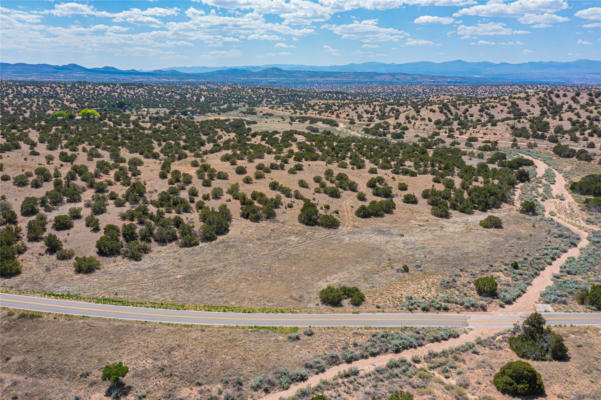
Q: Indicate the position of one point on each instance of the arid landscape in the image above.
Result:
(281, 200)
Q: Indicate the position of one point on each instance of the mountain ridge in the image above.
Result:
(455, 72)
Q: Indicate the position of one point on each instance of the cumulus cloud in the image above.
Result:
(419, 42)
(488, 29)
(591, 14)
(367, 31)
(539, 13)
(333, 51)
(541, 20)
(583, 42)
(132, 15)
(430, 19)
(499, 8)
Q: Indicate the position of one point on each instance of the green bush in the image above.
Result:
(9, 268)
(333, 296)
(409, 198)
(62, 223)
(486, 286)
(65, 254)
(207, 233)
(135, 250)
(108, 246)
(590, 185)
(537, 343)
(400, 395)
(528, 207)
(492, 222)
(86, 265)
(518, 378)
(53, 243)
(328, 221)
(29, 206)
(114, 372)
(189, 241)
(309, 214)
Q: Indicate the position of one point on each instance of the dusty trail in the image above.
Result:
(347, 219)
(574, 222)
(370, 364)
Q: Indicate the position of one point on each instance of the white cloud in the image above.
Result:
(593, 25)
(592, 14)
(418, 42)
(225, 53)
(527, 51)
(284, 45)
(367, 31)
(498, 8)
(370, 46)
(430, 19)
(539, 13)
(333, 51)
(488, 29)
(482, 43)
(132, 15)
(583, 42)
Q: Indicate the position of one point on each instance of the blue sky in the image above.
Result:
(146, 34)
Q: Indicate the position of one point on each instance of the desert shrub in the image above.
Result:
(333, 296)
(86, 265)
(135, 250)
(36, 228)
(518, 378)
(402, 186)
(165, 233)
(75, 212)
(65, 254)
(240, 170)
(590, 185)
(594, 296)
(409, 198)
(92, 222)
(29, 206)
(309, 214)
(328, 221)
(114, 372)
(492, 222)
(129, 232)
(62, 223)
(400, 395)
(537, 342)
(9, 268)
(440, 210)
(564, 151)
(486, 286)
(207, 233)
(7, 215)
(528, 207)
(219, 219)
(108, 246)
(189, 241)
(53, 243)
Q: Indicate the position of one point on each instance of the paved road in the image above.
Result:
(493, 320)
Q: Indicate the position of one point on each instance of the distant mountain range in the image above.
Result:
(446, 73)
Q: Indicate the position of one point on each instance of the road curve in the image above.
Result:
(464, 320)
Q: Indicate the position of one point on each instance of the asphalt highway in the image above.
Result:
(492, 320)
